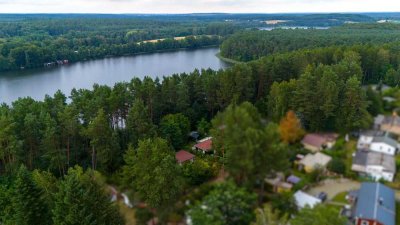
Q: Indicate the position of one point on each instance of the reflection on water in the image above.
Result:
(39, 82)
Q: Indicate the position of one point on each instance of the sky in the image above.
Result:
(196, 6)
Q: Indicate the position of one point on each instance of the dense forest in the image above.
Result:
(130, 133)
(251, 45)
(30, 41)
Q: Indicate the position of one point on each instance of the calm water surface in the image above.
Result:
(38, 83)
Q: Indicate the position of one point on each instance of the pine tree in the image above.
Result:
(27, 200)
(80, 200)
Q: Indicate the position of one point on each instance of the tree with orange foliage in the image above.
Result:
(290, 128)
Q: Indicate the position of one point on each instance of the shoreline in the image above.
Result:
(113, 56)
(227, 60)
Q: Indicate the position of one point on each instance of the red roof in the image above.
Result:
(183, 156)
(205, 145)
(319, 139)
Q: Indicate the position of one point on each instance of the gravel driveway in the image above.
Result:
(334, 187)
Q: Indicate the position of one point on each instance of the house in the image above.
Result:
(374, 165)
(312, 161)
(318, 141)
(204, 145)
(183, 156)
(377, 141)
(366, 137)
(384, 144)
(388, 123)
(303, 199)
(278, 183)
(375, 205)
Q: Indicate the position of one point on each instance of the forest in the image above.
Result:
(31, 40)
(57, 155)
(251, 45)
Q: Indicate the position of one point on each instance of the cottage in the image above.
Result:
(303, 199)
(318, 141)
(183, 156)
(375, 205)
(204, 145)
(313, 161)
(375, 165)
(366, 137)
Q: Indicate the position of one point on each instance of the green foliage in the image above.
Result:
(250, 149)
(284, 203)
(199, 171)
(337, 165)
(267, 215)
(226, 204)
(321, 214)
(29, 207)
(175, 128)
(81, 200)
(156, 173)
(251, 45)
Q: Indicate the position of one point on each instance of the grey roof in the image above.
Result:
(379, 119)
(387, 140)
(369, 158)
(377, 202)
(372, 133)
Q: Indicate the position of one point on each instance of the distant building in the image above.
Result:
(204, 145)
(374, 165)
(318, 141)
(303, 199)
(374, 205)
(183, 156)
(388, 123)
(313, 161)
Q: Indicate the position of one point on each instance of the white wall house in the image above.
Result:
(375, 165)
(378, 172)
(385, 145)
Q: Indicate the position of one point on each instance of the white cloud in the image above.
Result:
(189, 6)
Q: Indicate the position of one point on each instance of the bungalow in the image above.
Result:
(374, 205)
(318, 141)
(183, 156)
(303, 199)
(375, 165)
(313, 161)
(204, 145)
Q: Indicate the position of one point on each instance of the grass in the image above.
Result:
(341, 197)
(127, 213)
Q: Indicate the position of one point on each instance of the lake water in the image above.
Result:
(39, 82)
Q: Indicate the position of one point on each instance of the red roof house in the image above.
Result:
(319, 141)
(204, 145)
(183, 156)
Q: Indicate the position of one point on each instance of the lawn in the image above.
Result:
(341, 197)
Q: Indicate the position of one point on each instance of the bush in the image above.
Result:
(337, 166)
(143, 215)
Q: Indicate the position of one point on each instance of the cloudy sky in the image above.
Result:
(192, 6)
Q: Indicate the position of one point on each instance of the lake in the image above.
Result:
(39, 82)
